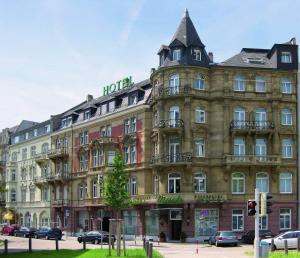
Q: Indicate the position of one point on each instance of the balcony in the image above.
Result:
(60, 203)
(172, 159)
(59, 177)
(162, 92)
(88, 202)
(41, 158)
(58, 153)
(40, 181)
(250, 160)
(108, 140)
(252, 126)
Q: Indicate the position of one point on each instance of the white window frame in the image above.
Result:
(156, 184)
(174, 177)
(95, 189)
(240, 180)
(286, 86)
(176, 54)
(285, 215)
(285, 178)
(200, 116)
(200, 147)
(260, 84)
(261, 224)
(286, 117)
(287, 146)
(133, 186)
(260, 177)
(199, 83)
(198, 178)
(286, 57)
(237, 216)
(197, 54)
(239, 83)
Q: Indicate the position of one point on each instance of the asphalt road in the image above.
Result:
(168, 250)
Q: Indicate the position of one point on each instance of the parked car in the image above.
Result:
(248, 238)
(290, 236)
(48, 233)
(223, 238)
(95, 237)
(25, 232)
(8, 230)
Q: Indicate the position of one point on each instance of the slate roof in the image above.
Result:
(186, 32)
(247, 57)
(25, 124)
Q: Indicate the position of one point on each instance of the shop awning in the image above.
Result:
(8, 216)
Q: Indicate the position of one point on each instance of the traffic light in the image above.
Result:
(265, 204)
(251, 207)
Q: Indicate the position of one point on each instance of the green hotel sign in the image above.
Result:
(117, 86)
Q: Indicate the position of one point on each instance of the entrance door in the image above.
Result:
(175, 229)
(105, 224)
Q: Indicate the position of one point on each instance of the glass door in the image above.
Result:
(174, 84)
(261, 118)
(174, 150)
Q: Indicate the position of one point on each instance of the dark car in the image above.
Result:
(8, 230)
(25, 232)
(48, 233)
(248, 238)
(95, 237)
(223, 238)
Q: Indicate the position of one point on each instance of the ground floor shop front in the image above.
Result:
(177, 221)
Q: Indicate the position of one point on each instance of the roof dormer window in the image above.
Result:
(286, 57)
(87, 115)
(176, 55)
(197, 54)
(162, 59)
(66, 122)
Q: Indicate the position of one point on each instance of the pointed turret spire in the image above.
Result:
(186, 32)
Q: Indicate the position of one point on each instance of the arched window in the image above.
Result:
(238, 183)
(239, 83)
(260, 84)
(174, 83)
(174, 116)
(262, 182)
(174, 183)
(286, 86)
(200, 82)
(200, 182)
(95, 189)
(285, 185)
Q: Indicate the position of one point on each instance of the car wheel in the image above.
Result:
(236, 244)
(96, 242)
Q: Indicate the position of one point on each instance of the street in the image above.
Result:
(168, 250)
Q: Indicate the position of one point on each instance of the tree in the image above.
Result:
(116, 194)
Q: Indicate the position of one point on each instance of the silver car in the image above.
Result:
(291, 237)
(223, 238)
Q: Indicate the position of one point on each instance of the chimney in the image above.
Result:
(211, 56)
(89, 98)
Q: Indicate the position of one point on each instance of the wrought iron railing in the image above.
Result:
(257, 125)
(172, 91)
(253, 159)
(171, 123)
(172, 158)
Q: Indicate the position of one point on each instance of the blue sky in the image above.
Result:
(55, 52)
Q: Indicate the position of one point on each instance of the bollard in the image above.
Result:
(286, 250)
(147, 248)
(6, 246)
(30, 244)
(56, 244)
(150, 250)
(113, 243)
(197, 243)
(272, 245)
(144, 243)
(84, 244)
(298, 244)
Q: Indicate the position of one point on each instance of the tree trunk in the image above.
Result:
(118, 234)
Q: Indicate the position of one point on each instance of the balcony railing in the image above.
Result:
(171, 123)
(253, 159)
(41, 179)
(41, 157)
(252, 125)
(172, 91)
(59, 177)
(60, 202)
(172, 158)
(58, 152)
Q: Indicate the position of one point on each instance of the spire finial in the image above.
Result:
(186, 13)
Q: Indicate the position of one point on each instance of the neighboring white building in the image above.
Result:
(28, 195)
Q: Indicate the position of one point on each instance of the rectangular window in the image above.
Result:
(133, 124)
(111, 157)
(176, 55)
(287, 148)
(47, 129)
(286, 117)
(35, 132)
(24, 154)
(286, 57)
(285, 218)
(132, 154)
(239, 84)
(103, 109)
(87, 115)
(263, 222)
(239, 148)
(285, 184)
(197, 54)
(132, 99)
(111, 106)
(126, 154)
(200, 147)
(237, 220)
(84, 138)
(260, 84)
(200, 116)
(127, 126)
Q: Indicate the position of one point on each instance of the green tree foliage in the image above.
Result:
(116, 194)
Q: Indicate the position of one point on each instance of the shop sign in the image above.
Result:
(118, 86)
